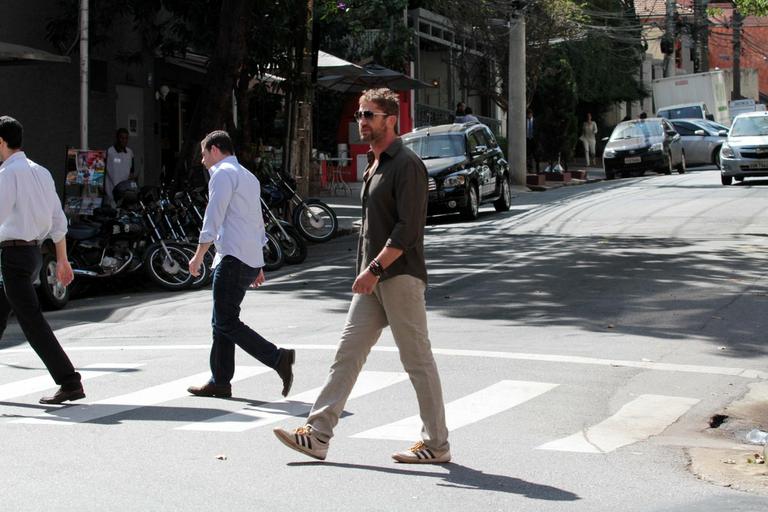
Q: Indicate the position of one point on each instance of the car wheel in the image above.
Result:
(472, 209)
(668, 170)
(740, 179)
(716, 157)
(504, 201)
(681, 166)
(726, 180)
(609, 174)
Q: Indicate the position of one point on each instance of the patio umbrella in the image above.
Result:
(16, 54)
(330, 65)
(374, 76)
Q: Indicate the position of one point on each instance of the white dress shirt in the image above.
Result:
(119, 165)
(233, 219)
(30, 208)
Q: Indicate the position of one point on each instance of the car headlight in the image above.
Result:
(454, 180)
(609, 153)
(659, 146)
(727, 151)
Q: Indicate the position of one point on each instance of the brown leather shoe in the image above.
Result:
(63, 395)
(211, 389)
(285, 368)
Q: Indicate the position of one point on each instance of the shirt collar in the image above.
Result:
(16, 156)
(231, 159)
(391, 151)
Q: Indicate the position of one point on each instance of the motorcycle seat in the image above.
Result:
(82, 231)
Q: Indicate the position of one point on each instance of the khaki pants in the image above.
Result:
(397, 302)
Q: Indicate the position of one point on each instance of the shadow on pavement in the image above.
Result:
(463, 477)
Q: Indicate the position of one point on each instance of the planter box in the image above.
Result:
(578, 175)
(565, 177)
(535, 179)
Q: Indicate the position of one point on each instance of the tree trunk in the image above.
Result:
(214, 105)
(301, 140)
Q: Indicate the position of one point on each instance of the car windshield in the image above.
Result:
(746, 126)
(634, 129)
(714, 126)
(681, 113)
(436, 146)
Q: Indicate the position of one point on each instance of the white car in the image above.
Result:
(745, 153)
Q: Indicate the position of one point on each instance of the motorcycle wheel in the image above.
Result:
(315, 220)
(273, 254)
(53, 295)
(293, 245)
(168, 271)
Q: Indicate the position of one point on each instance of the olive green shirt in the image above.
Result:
(394, 198)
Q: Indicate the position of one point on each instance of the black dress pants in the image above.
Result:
(20, 266)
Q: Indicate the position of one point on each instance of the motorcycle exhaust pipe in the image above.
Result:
(89, 273)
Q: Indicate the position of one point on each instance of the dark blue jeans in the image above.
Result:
(20, 266)
(231, 279)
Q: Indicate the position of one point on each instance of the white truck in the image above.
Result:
(695, 95)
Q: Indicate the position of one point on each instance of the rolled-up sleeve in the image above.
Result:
(220, 190)
(411, 205)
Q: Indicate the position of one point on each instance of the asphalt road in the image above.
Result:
(584, 340)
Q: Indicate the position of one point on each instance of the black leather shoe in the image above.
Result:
(285, 368)
(63, 395)
(211, 389)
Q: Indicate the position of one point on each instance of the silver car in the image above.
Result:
(702, 140)
(745, 152)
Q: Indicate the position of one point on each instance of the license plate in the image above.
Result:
(760, 164)
(633, 160)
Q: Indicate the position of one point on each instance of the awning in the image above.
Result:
(11, 54)
(373, 76)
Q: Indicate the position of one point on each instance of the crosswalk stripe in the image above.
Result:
(296, 405)
(643, 417)
(466, 410)
(149, 396)
(43, 382)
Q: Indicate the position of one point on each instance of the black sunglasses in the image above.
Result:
(367, 114)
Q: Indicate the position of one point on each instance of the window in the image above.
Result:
(435, 146)
(685, 128)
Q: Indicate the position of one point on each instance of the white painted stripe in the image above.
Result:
(143, 398)
(643, 417)
(551, 358)
(296, 405)
(43, 382)
(466, 410)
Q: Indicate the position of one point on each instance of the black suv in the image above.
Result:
(466, 168)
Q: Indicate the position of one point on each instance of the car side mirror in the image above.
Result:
(700, 132)
(479, 150)
(722, 133)
(711, 117)
(605, 139)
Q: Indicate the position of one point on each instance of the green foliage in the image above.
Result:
(555, 109)
(752, 7)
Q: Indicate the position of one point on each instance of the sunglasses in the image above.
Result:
(367, 114)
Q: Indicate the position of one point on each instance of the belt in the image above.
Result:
(17, 243)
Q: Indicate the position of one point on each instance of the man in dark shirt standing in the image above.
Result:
(389, 290)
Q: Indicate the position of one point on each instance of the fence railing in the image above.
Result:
(427, 115)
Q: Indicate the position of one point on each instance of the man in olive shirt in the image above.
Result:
(389, 290)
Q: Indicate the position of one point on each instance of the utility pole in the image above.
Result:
(516, 151)
(83, 74)
(736, 28)
(700, 34)
(704, 37)
(668, 40)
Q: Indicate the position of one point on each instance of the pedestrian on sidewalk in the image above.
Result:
(234, 223)
(531, 142)
(388, 290)
(588, 134)
(30, 212)
(120, 163)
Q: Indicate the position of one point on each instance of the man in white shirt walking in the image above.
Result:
(120, 165)
(235, 224)
(30, 212)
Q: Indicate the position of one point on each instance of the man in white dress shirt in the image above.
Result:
(120, 165)
(235, 224)
(30, 212)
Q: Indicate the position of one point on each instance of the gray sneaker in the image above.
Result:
(303, 440)
(420, 454)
